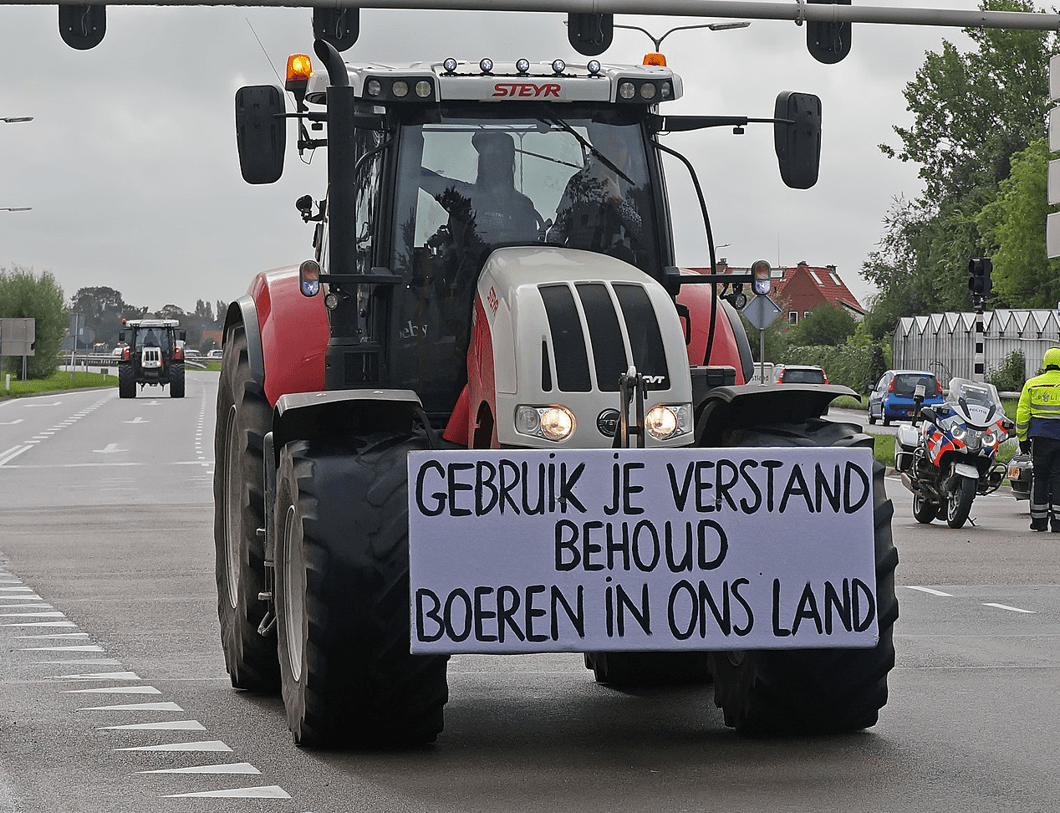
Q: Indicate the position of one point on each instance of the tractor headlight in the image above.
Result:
(554, 422)
(664, 421)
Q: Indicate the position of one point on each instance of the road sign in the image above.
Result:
(17, 336)
(761, 311)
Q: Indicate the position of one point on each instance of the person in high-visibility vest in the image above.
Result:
(1038, 420)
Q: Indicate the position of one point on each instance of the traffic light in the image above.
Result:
(590, 34)
(82, 27)
(828, 42)
(979, 269)
(339, 26)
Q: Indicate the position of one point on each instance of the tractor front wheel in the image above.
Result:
(814, 690)
(126, 380)
(342, 596)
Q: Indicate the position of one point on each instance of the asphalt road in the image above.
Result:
(114, 695)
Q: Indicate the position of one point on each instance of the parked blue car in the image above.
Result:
(892, 398)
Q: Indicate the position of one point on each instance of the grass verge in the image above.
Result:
(56, 382)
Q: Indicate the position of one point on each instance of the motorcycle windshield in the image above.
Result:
(976, 402)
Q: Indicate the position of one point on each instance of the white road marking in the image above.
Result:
(235, 767)
(51, 614)
(102, 676)
(55, 635)
(208, 745)
(264, 792)
(12, 453)
(85, 648)
(1006, 607)
(929, 590)
(174, 725)
(137, 419)
(24, 606)
(11, 423)
(116, 690)
(110, 448)
(161, 706)
(84, 662)
(22, 589)
(40, 624)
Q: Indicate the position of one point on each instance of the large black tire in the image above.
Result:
(243, 419)
(924, 511)
(126, 380)
(959, 501)
(621, 670)
(342, 596)
(176, 381)
(813, 691)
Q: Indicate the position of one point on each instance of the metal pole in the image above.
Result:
(761, 356)
(978, 361)
(797, 11)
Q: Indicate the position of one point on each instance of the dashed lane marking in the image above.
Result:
(172, 725)
(101, 676)
(931, 591)
(83, 662)
(15, 596)
(160, 706)
(207, 745)
(1007, 607)
(264, 792)
(233, 768)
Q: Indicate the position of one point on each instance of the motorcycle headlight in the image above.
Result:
(958, 432)
(990, 438)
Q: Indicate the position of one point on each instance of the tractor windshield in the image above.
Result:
(468, 184)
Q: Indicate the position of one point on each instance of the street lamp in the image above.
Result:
(15, 119)
(711, 26)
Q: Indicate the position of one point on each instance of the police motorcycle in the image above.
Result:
(951, 455)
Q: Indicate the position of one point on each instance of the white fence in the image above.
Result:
(944, 343)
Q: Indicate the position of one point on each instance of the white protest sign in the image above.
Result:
(515, 551)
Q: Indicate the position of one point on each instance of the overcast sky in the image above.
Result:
(131, 169)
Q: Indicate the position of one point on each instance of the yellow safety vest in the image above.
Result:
(1038, 413)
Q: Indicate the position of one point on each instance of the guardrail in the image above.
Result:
(105, 363)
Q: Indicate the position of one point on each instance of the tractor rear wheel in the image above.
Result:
(814, 690)
(342, 596)
(126, 380)
(176, 381)
(243, 419)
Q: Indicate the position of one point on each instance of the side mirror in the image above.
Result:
(928, 414)
(797, 137)
(261, 133)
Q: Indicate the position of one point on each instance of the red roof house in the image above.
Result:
(799, 289)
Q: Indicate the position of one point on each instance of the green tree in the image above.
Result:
(825, 324)
(973, 111)
(100, 310)
(1013, 226)
(25, 295)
